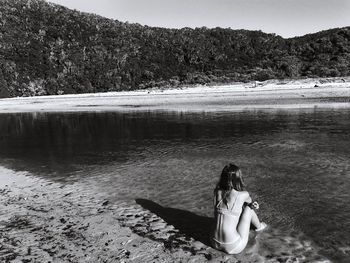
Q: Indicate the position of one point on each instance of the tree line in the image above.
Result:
(48, 49)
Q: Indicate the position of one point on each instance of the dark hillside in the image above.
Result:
(50, 49)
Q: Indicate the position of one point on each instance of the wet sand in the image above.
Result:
(48, 222)
(42, 221)
(294, 94)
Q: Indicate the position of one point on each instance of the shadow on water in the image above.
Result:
(192, 225)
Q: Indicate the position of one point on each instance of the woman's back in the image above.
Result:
(228, 209)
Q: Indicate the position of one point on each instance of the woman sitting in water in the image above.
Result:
(233, 212)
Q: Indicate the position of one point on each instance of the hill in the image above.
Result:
(49, 49)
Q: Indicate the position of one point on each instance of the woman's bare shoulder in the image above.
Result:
(244, 193)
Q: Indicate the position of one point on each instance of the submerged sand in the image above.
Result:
(41, 221)
(293, 94)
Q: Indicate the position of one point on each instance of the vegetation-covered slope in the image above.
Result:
(50, 49)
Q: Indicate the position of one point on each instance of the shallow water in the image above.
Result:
(295, 163)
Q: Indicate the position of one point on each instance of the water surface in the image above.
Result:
(295, 163)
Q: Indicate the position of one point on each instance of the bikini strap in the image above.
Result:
(217, 205)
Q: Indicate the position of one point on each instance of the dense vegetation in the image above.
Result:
(49, 49)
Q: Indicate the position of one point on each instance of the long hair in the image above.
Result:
(231, 178)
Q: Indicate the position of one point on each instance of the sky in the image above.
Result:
(287, 18)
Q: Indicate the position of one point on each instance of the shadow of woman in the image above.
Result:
(190, 224)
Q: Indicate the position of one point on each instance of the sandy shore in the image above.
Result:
(42, 221)
(48, 222)
(296, 94)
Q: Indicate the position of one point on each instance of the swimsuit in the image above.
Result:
(233, 247)
(237, 244)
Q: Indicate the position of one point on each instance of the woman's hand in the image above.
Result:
(255, 205)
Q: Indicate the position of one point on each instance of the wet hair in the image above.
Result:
(231, 178)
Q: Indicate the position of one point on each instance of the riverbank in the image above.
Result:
(41, 221)
(293, 94)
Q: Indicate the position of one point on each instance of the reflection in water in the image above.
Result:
(296, 163)
(58, 142)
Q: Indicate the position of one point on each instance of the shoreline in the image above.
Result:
(269, 95)
(42, 221)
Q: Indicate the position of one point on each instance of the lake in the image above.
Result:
(295, 163)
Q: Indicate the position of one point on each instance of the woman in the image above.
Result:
(233, 212)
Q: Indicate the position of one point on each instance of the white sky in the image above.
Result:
(284, 17)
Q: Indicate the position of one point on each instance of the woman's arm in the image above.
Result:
(250, 203)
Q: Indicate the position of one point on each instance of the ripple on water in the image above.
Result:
(296, 164)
